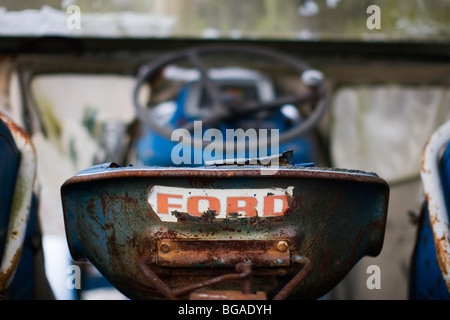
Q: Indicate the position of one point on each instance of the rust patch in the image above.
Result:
(7, 274)
(15, 129)
(14, 234)
(199, 174)
(207, 216)
(422, 160)
(222, 253)
(442, 252)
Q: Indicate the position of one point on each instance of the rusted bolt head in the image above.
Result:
(282, 246)
(165, 247)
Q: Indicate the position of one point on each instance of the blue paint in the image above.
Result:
(307, 164)
(153, 149)
(427, 282)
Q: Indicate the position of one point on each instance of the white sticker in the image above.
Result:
(168, 202)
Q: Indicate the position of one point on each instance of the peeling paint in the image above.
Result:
(345, 209)
(20, 206)
(430, 175)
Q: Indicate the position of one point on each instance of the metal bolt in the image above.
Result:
(282, 246)
(165, 247)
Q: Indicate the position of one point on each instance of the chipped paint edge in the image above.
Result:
(21, 203)
(435, 197)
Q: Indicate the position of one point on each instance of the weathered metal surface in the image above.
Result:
(9, 163)
(223, 253)
(434, 193)
(332, 217)
(19, 207)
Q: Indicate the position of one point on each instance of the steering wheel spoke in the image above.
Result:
(206, 81)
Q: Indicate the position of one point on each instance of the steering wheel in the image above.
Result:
(312, 79)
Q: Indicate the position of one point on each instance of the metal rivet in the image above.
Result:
(282, 246)
(165, 247)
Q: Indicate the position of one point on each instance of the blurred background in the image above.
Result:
(68, 69)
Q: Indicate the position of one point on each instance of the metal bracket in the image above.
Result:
(244, 272)
(222, 253)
